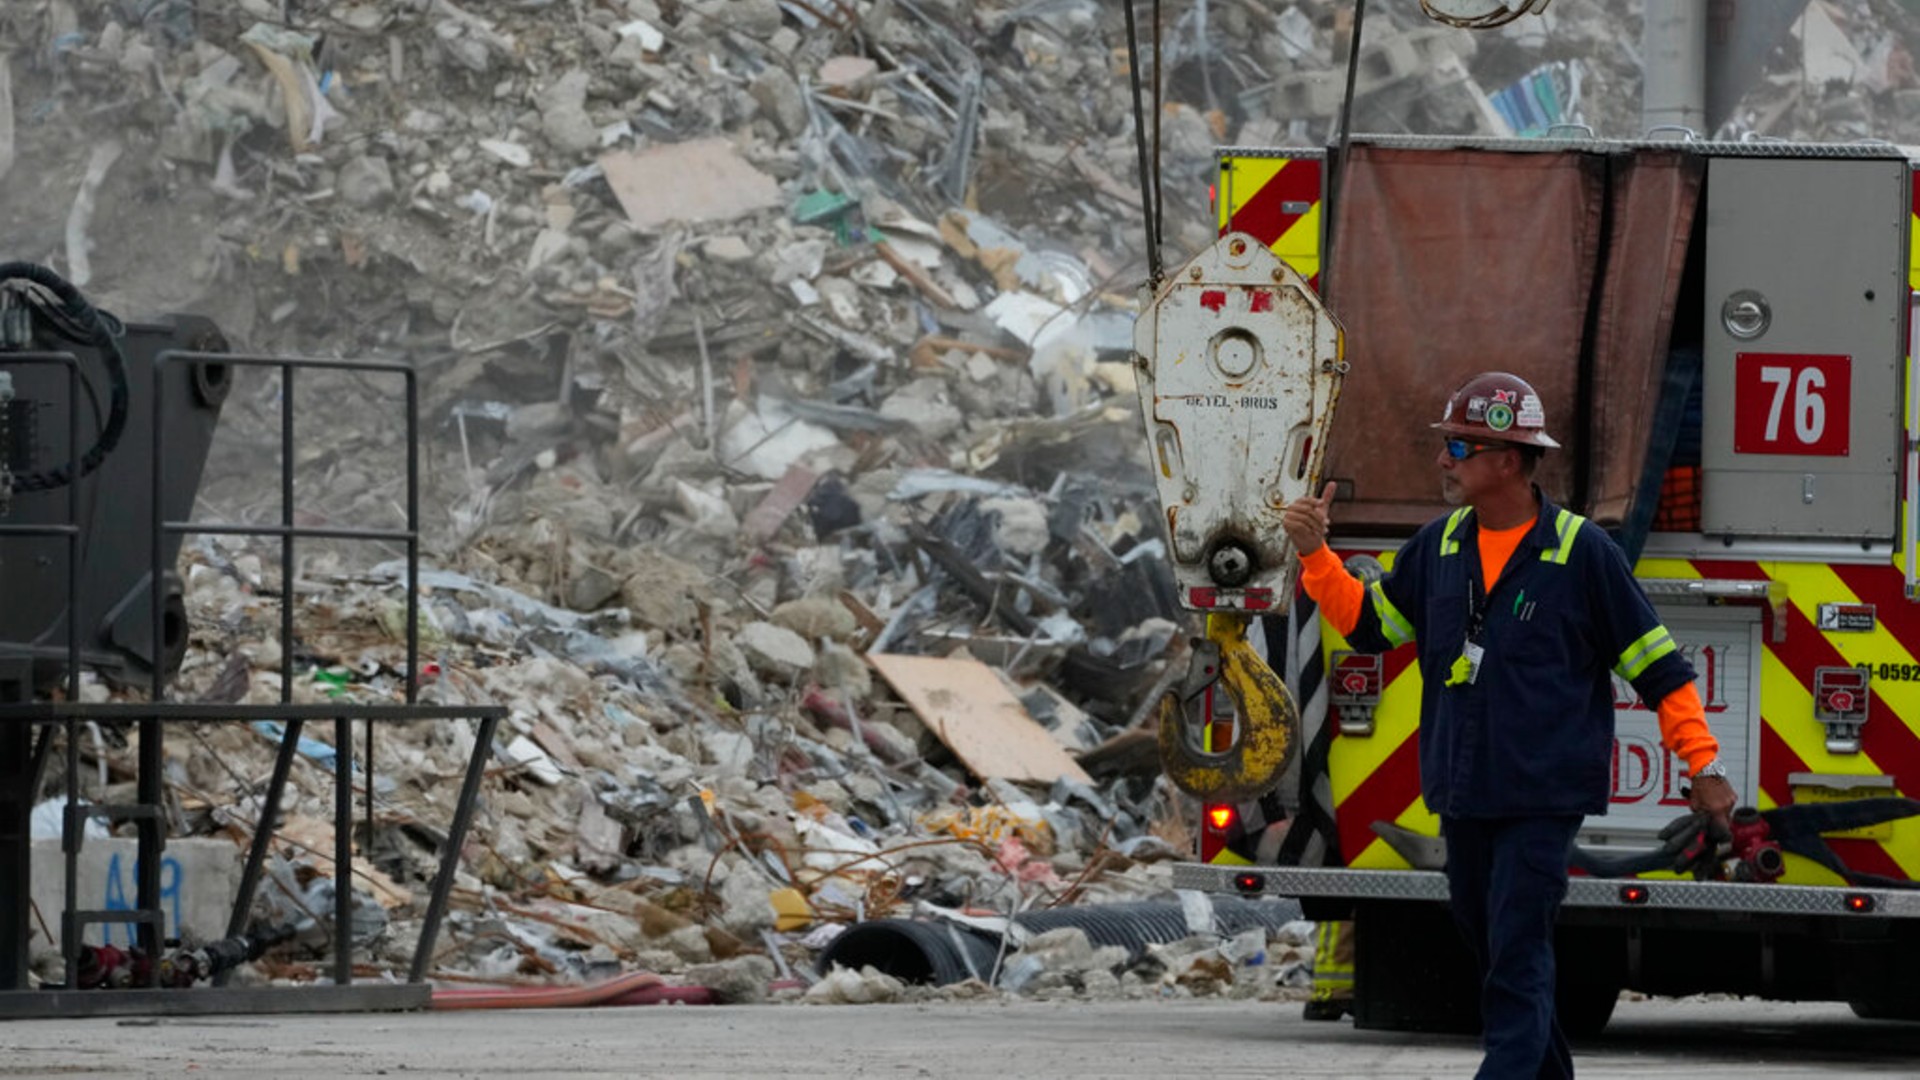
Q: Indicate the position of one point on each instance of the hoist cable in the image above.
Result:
(1140, 147)
(1159, 169)
(1346, 141)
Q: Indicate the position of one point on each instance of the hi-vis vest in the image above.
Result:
(1532, 732)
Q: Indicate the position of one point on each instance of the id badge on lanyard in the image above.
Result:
(1466, 667)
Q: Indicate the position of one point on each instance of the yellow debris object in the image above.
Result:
(790, 910)
(990, 825)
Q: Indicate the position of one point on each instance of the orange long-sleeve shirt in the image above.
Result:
(1683, 718)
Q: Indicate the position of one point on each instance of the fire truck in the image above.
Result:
(1723, 333)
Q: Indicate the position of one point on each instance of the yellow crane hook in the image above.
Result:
(1265, 719)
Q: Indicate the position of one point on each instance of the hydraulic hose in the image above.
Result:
(101, 333)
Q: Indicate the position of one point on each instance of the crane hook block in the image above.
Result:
(1266, 722)
(1240, 367)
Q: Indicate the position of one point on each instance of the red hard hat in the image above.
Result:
(1497, 407)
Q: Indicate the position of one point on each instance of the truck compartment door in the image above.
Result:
(1724, 647)
(1806, 263)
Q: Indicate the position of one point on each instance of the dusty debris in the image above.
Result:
(844, 986)
(761, 346)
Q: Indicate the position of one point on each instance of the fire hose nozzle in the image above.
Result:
(1762, 863)
(1756, 856)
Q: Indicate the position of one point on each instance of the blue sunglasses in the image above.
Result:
(1461, 449)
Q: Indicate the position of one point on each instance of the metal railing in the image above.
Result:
(150, 716)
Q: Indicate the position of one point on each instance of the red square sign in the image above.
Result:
(1792, 403)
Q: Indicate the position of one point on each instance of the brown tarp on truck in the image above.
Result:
(1654, 197)
(1448, 263)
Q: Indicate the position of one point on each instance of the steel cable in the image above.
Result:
(1481, 14)
(1147, 180)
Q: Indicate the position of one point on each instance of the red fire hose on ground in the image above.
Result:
(635, 988)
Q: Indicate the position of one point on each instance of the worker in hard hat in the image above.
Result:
(1521, 611)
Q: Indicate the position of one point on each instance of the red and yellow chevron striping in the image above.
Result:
(1913, 242)
(1277, 201)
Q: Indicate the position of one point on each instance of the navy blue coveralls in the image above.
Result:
(1513, 759)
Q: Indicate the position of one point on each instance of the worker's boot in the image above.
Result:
(1327, 1008)
(1332, 972)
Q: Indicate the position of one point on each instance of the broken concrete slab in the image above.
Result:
(779, 96)
(563, 114)
(688, 182)
(199, 878)
(816, 617)
(849, 76)
(775, 651)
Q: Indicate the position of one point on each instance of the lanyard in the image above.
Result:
(1479, 597)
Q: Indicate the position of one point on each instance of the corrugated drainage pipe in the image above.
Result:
(1138, 925)
(936, 953)
(942, 953)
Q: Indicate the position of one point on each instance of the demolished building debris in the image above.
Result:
(776, 369)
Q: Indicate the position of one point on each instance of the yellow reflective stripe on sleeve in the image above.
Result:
(1393, 625)
(1567, 527)
(1641, 655)
(1448, 545)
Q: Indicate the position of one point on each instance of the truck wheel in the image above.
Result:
(1411, 970)
(1589, 970)
(1585, 1005)
(1885, 1009)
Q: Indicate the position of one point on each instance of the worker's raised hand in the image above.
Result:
(1306, 521)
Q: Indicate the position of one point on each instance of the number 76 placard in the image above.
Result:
(1792, 403)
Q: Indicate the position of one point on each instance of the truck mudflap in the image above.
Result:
(1722, 897)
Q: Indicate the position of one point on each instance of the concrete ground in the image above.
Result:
(1722, 1040)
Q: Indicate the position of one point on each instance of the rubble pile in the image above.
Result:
(783, 471)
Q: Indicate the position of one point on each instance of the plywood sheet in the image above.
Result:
(970, 710)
